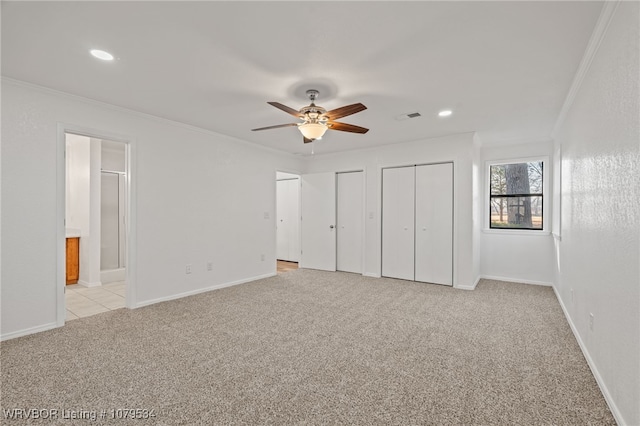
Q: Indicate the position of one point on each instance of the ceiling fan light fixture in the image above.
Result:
(312, 130)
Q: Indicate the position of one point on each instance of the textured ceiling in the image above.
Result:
(504, 68)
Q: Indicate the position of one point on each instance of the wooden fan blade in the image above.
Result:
(275, 127)
(306, 140)
(343, 127)
(334, 114)
(286, 109)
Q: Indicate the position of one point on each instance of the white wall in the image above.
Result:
(77, 183)
(599, 251)
(457, 148)
(209, 217)
(477, 200)
(113, 156)
(90, 248)
(82, 196)
(520, 256)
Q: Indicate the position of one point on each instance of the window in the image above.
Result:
(516, 195)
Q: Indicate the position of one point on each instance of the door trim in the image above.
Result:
(130, 149)
(364, 215)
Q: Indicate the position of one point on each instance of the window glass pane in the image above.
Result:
(516, 212)
(498, 181)
(535, 177)
(516, 179)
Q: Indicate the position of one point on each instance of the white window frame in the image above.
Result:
(546, 197)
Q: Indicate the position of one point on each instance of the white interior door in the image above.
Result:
(349, 221)
(318, 234)
(398, 226)
(282, 222)
(434, 224)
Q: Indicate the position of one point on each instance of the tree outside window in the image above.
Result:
(516, 196)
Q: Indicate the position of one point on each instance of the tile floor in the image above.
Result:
(86, 301)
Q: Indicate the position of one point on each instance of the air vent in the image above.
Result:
(402, 117)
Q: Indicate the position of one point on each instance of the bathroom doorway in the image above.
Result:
(96, 211)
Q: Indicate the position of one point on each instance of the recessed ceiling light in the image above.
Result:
(445, 113)
(101, 54)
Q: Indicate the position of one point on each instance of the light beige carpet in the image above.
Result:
(315, 347)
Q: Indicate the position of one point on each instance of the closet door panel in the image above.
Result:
(349, 222)
(434, 224)
(398, 185)
(282, 228)
(288, 220)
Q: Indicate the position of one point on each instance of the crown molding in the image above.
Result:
(599, 31)
(144, 115)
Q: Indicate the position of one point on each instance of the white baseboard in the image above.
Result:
(371, 274)
(469, 287)
(113, 275)
(26, 331)
(88, 284)
(603, 388)
(202, 290)
(516, 280)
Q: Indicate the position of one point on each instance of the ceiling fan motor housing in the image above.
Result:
(312, 94)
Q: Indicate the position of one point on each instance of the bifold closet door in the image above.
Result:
(282, 238)
(288, 220)
(350, 211)
(434, 224)
(398, 220)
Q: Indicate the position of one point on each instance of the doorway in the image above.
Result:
(333, 221)
(96, 208)
(287, 221)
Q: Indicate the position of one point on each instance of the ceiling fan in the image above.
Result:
(317, 120)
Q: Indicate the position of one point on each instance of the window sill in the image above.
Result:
(519, 232)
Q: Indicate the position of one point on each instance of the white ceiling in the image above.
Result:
(504, 68)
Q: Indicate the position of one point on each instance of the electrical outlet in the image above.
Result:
(262, 257)
(209, 266)
(187, 269)
(590, 321)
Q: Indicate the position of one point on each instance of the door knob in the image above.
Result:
(331, 226)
